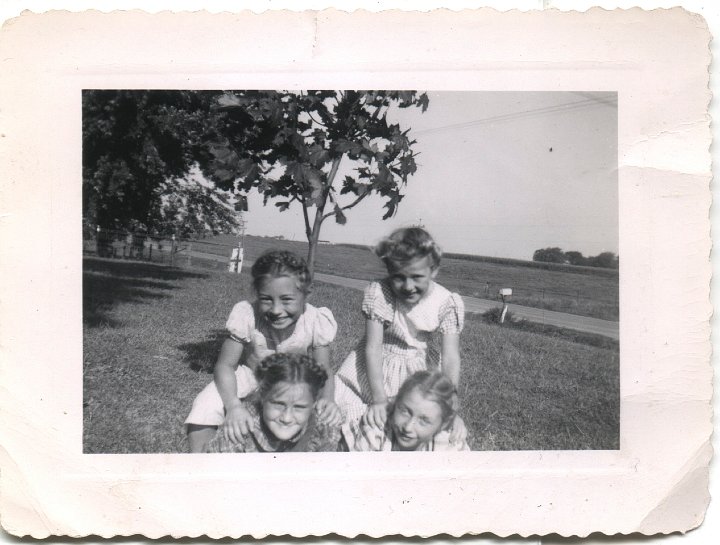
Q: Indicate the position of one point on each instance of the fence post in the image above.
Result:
(487, 289)
(172, 251)
(189, 251)
(543, 294)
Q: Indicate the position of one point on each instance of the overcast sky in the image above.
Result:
(499, 174)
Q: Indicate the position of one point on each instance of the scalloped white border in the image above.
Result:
(507, 461)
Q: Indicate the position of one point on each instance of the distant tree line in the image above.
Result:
(605, 260)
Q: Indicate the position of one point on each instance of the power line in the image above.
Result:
(535, 112)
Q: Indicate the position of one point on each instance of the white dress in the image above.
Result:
(316, 327)
(411, 342)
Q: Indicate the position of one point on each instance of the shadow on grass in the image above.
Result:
(107, 282)
(202, 355)
(137, 269)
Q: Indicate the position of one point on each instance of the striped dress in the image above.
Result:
(412, 342)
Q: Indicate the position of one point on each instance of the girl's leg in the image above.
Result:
(199, 436)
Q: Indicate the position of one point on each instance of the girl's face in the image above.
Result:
(411, 280)
(286, 409)
(415, 420)
(280, 301)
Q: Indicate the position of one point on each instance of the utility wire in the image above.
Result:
(535, 112)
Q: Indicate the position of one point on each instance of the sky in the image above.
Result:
(499, 174)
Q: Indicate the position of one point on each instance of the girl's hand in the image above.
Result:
(376, 415)
(458, 431)
(238, 422)
(329, 412)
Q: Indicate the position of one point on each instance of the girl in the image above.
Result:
(284, 415)
(417, 419)
(278, 321)
(411, 324)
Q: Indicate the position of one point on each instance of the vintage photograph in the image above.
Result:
(349, 270)
(432, 273)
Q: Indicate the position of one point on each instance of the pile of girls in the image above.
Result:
(274, 388)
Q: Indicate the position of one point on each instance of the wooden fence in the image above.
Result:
(173, 251)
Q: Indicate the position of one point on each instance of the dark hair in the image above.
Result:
(433, 385)
(406, 244)
(291, 368)
(276, 263)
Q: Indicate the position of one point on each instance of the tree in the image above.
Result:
(138, 150)
(549, 255)
(606, 260)
(191, 207)
(289, 146)
(575, 258)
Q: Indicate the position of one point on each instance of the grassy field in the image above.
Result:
(152, 334)
(585, 292)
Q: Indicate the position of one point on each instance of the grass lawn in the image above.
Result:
(581, 293)
(152, 333)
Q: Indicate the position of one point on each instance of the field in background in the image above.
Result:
(152, 333)
(584, 291)
(575, 290)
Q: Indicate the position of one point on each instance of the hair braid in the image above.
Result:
(291, 368)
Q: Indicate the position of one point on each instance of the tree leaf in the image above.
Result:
(340, 217)
(423, 101)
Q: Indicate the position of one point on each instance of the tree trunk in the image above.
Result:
(312, 251)
(313, 235)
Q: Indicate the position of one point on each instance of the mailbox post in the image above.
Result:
(505, 294)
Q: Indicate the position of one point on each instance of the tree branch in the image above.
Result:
(347, 207)
(319, 216)
(316, 121)
(305, 217)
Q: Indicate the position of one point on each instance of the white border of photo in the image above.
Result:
(657, 482)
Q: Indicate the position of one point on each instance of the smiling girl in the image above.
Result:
(411, 324)
(278, 321)
(418, 418)
(284, 416)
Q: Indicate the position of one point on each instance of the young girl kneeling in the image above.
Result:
(284, 415)
(412, 324)
(417, 420)
(279, 321)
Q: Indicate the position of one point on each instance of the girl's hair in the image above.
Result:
(291, 368)
(406, 244)
(434, 386)
(276, 263)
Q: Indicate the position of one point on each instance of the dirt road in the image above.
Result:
(585, 324)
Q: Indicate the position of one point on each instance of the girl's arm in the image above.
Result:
(451, 357)
(237, 419)
(451, 368)
(329, 412)
(377, 412)
(321, 354)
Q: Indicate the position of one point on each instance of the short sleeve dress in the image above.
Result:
(316, 327)
(411, 342)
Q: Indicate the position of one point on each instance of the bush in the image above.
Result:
(493, 316)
